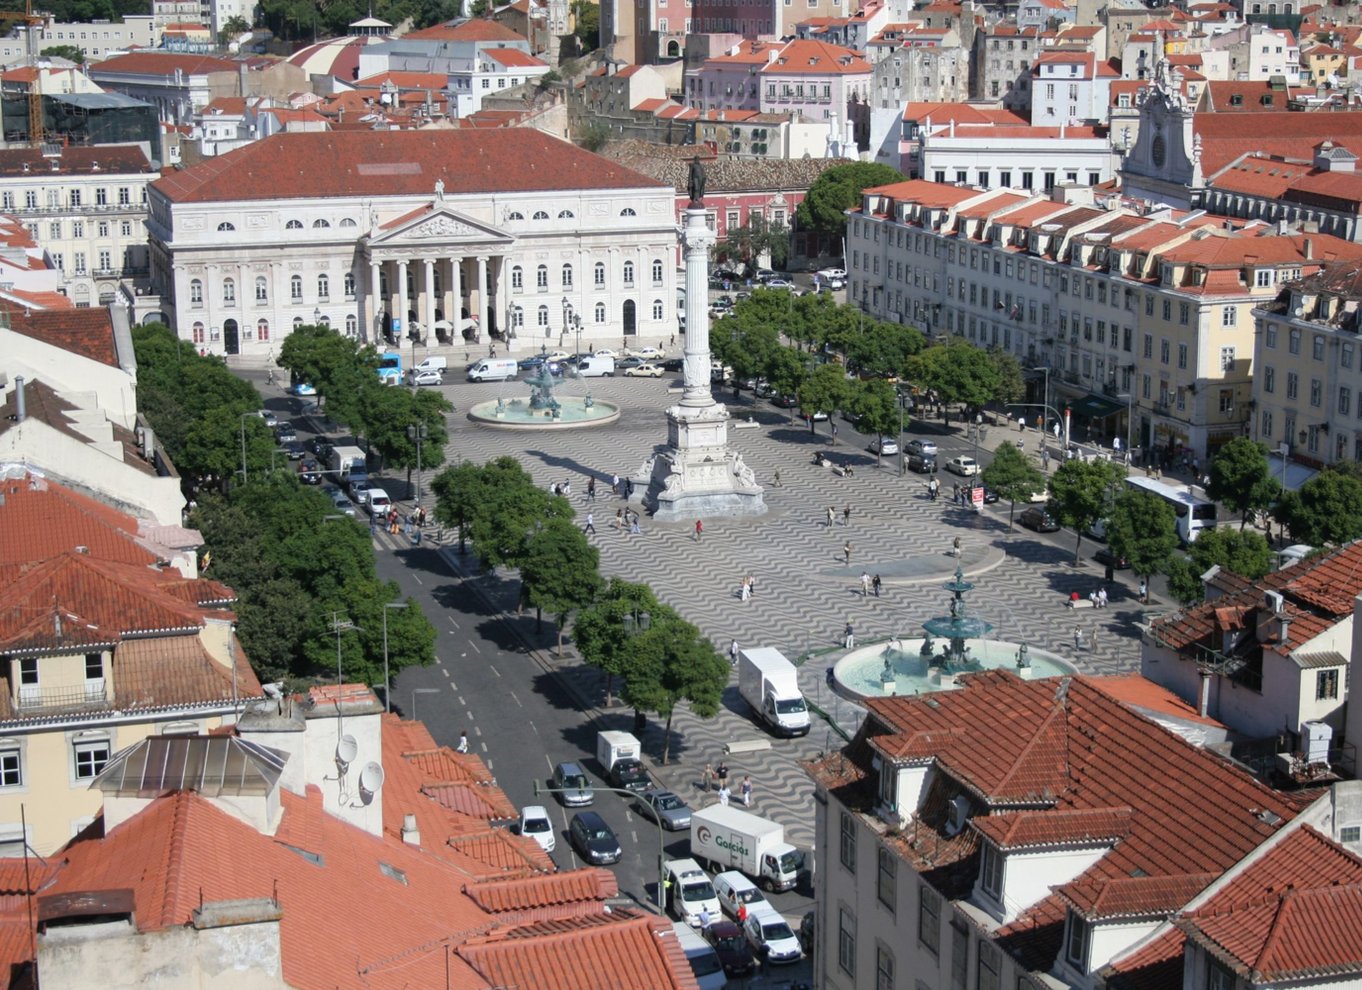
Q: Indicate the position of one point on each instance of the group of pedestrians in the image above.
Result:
(747, 588)
(716, 779)
(868, 584)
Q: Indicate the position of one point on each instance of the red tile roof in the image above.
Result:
(118, 159)
(1133, 897)
(397, 163)
(816, 58)
(1033, 829)
(513, 58)
(1227, 136)
(87, 332)
(476, 29)
(572, 889)
(1144, 695)
(151, 63)
(41, 519)
(933, 195)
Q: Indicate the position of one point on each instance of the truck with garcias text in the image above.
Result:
(729, 838)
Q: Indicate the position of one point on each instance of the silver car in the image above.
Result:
(664, 807)
(572, 786)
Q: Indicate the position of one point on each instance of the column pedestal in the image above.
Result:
(698, 476)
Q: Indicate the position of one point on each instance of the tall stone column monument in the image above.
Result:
(697, 475)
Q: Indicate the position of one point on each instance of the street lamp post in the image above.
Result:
(974, 478)
(387, 689)
(577, 326)
(903, 407)
(418, 432)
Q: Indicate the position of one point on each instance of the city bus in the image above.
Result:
(1193, 512)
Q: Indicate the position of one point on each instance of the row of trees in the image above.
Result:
(511, 522)
(294, 563)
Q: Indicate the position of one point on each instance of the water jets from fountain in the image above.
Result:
(544, 410)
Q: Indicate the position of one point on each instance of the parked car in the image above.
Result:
(294, 450)
(769, 935)
(593, 839)
(664, 807)
(302, 388)
(784, 401)
(966, 467)
(925, 448)
(271, 420)
(431, 376)
(359, 488)
(763, 275)
(733, 889)
(1109, 557)
(535, 822)
(779, 283)
(625, 364)
(644, 371)
(1038, 519)
(735, 955)
(647, 353)
(819, 416)
(631, 775)
(764, 389)
(284, 432)
(831, 273)
(606, 353)
(887, 446)
(309, 473)
(572, 785)
(673, 365)
(922, 464)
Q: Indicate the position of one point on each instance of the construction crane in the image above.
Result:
(32, 22)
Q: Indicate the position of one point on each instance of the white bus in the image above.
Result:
(1193, 512)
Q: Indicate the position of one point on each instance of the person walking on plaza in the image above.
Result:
(724, 793)
(699, 530)
(1144, 591)
(751, 585)
(775, 479)
(846, 516)
(590, 524)
(832, 514)
(707, 777)
(1078, 638)
(721, 775)
(865, 584)
(746, 791)
(733, 652)
(848, 637)
(614, 484)
(591, 489)
(745, 592)
(463, 742)
(846, 552)
(875, 583)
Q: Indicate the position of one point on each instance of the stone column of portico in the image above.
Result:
(429, 288)
(402, 306)
(456, 290)
(482, 294)
(371, 305)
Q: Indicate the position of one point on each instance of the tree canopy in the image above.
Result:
(1327, 509)
(1013, 477)
(1241, 478)
(560, 571)
(838, 189)
(600, 633)
(1080, 494)
(1243, 552)
(958, 371)
(1143, 529)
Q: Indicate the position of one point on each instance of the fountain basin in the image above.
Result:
(516, 414)
(858, 674)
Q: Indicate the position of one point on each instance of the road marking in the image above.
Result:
(452, 622)
(516, 700)
(493, 669)
(445, 671)
(461, 701)
(418, 580)
(474, 643)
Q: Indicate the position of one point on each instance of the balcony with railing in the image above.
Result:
(35, 699)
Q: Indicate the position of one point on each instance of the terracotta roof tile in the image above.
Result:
(1145, 696)
(816, 58)
(513, 58)
(1133, 897)
(1227, 136)
(170, 671)
(475, 29)
(41, 519)
(1031, 829)
(572, 888)
(397, 163)
(161, 64)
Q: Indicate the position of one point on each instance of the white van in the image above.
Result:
(596, 367)
(704, 961)
(432, 363)
(377, 502)
(689, 892)
(492, 370)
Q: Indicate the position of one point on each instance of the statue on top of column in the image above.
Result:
(697, 182)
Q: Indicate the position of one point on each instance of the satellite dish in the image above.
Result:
(371, 778)
(346, 750)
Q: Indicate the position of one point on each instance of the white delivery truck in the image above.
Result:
(689, 892)
(346, 461)
(619, 755)
(492, 370)
(730, 838)
(596, 367)
(770, 684)
(433, 362)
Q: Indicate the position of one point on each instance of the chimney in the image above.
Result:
(1204, 695)
(1286, 631)
(21, 409)
(411, 835)
(1307, 247)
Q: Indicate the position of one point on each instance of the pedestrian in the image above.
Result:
(704, 919)
(733, 652)
(591, 489)
(742, 912)
(618, 521)
(834, 432)
(463, 742)
(707, 777)
(724, 793)
(633, 525)
(832, 514)
(775, 479)
(846, 552)
(721, 775)
(1078, 638)
(865, 584)
(846, 516)
(614, 484)
(1144, 591)
(628, 489)
(1102, 597)
(744, 592)
(1021, 424)
(1045, 459)
(590, 524)
(751, 585)
(746, 791)
(955, 493)
(699, 529)
(567, 488)
(848, 637)
(672, 342)
(875, 583)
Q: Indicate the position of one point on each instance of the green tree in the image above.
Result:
(1326, 510)
(560, 572)
(1184, 581)
(875, 405)
(958, 371)
(674, 663)
(512, 505)
(759, 237)
(1079, 494)
(600, 632)
(233, 28)
(340, 368)
(1010, 385)
(1241, 478)
(386, 414)
(838, 189)
(1143, 529)
(69, 52)
(1242, 552)
(824, 390)
(458, 493)
(883, 348)
(588, 24)
(1013, 477)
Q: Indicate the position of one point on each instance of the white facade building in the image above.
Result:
(374, 232)
(1070, 88)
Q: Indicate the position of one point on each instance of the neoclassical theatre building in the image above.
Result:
(446, 232)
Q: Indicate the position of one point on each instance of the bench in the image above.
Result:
(747, 746)
(838, 470)
(747, 424)
(1080, 603)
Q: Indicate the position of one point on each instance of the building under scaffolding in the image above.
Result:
(84, 119)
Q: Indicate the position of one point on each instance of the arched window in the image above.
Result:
(599, 273)
(628, 273)
(321, 223)
(195, 292)
(351, 324)
(226, 226)
(348, 222)
(323, 287)
(543, 318)
(628, 211)
(295, 288)
(517, 318)
(262, 289)
(513, 215)
(294, 225)
(326, 321)
(541, 277)
(297, 322)
(600, 312)
(517, 278)
(540, 215)
(657, 309)
(198, 333)
(228, 290)
(567, 276)
(262, 330)
(657, 271)
(566, 215)
(349, 285)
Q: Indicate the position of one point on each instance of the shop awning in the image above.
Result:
(1093, 406)
(1296, 474)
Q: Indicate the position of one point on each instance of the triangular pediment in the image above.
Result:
(438, 225)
